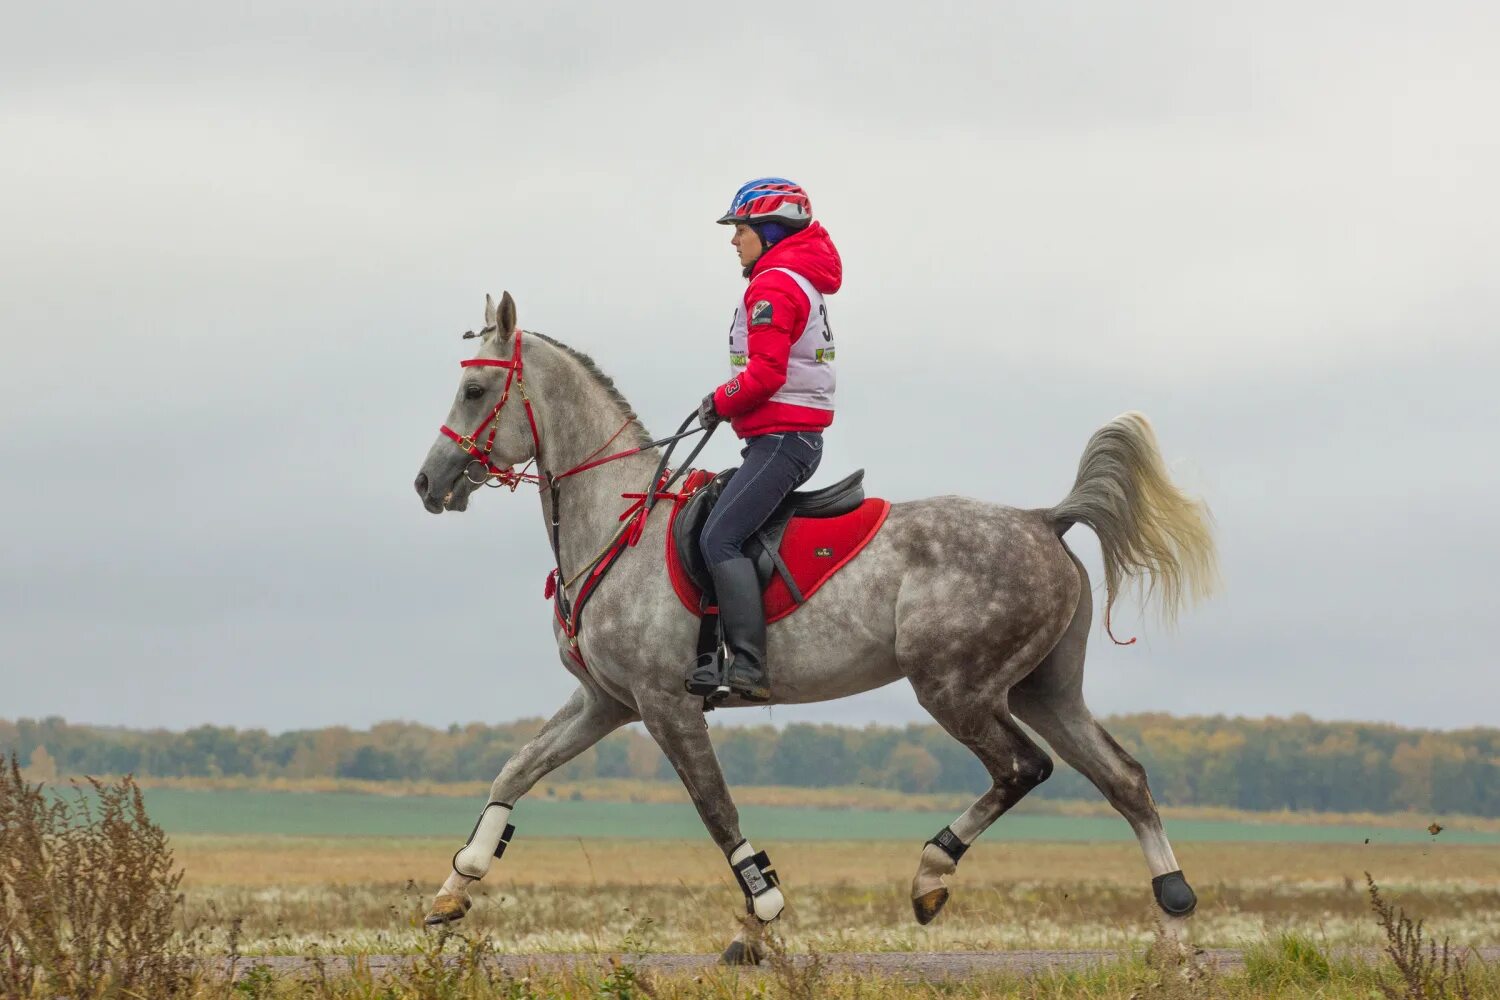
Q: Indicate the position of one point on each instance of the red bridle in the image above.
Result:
(479, 446)
(470, 443)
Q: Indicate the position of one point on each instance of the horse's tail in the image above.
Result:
(1146, 525)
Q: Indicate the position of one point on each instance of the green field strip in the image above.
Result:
(181, 811)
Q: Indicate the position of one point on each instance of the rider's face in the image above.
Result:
(747, 243)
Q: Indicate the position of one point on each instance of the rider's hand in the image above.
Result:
(708, 417)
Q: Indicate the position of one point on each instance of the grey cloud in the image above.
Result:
(249, 241)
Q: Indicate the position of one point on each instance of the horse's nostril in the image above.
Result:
(422, 483)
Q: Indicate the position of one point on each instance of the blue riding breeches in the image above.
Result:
(774, 465)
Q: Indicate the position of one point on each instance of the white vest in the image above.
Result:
(809, 368)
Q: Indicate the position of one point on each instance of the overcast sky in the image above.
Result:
(240, 242)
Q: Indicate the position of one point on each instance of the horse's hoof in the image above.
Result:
(447, 908)
(740, 953)
(928, 905)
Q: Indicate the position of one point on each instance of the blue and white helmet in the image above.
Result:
(769, 199)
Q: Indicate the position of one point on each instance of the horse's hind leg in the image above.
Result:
(681, 732)
(585, 719)
(1050, 701)
(980, 721)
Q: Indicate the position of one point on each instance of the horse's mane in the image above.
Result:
(642, 437)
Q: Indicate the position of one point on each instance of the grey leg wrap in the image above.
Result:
(947, 841)
(1173, 894)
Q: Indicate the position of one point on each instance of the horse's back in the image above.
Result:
(979, 578)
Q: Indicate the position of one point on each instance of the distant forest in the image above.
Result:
(1259, 764)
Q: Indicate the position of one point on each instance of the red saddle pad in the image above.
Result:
(813, 548)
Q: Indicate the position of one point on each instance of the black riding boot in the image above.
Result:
(743, 619)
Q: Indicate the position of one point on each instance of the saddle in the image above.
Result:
(764, 547)
(809, 538)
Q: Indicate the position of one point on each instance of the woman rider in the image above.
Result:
(778, 399)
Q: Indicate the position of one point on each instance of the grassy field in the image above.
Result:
(630, 790)
(1295, 908)
(251, 811)
(553, 895)
(296, 880)
(1291, 896)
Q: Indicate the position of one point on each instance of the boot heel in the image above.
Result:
(758, 693)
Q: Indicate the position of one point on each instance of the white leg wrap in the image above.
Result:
(759, 881)
(485, 843)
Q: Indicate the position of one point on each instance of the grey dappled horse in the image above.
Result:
(981, 607)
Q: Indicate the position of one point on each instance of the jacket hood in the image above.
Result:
(811, 253)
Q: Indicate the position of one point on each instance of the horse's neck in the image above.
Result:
(589, 502)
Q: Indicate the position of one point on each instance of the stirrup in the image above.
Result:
(705, 676)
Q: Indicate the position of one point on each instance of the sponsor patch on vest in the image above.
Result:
(823, 355)
(823, 553)
(760, 313)
(737, 360)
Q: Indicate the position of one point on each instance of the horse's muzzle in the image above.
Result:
(434, 505)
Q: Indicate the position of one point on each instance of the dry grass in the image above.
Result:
(460, 970)
(553, 895)
(303, 861)
(980, 918)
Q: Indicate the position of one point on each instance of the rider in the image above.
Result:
(779, 398)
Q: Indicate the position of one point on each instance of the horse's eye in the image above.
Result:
(473, 390)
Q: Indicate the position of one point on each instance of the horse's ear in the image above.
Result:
(505, 316)
(489, 311)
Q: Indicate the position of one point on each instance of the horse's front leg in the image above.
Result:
(679, 729)
(587, 717)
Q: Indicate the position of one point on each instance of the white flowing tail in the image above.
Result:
(1147, 527)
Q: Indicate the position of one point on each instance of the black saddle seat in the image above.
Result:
(831, 501)
(763, 547)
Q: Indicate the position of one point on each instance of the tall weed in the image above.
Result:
(1427, 970)
(88, 893)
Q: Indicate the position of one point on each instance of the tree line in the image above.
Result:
(1258, 764)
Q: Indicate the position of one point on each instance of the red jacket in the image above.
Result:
(746, 399)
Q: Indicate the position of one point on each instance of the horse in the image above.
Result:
(982, 608)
